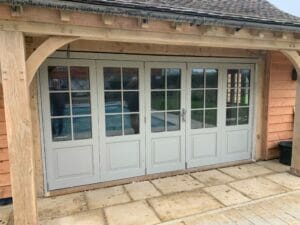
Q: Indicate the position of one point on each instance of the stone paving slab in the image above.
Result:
(142, 190)
(135, 213)
(212, 177)
(176, 184)
(246, 171)
(286, 180)
(61, 205)
(5, 213)
(274, 165)
(183, 204)
(93, 217)
(227, 195)
(106, 197)
(258, 187)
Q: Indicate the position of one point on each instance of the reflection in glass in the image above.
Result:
(81, 103)
(245, 78)
(158, 78)
(157, 122)
(61, 129)
(232, 78)
(112, 78)
(80, 79)
(243, 116)
(113, 102)
(131, 124)
(231, 97)
(245, 97)
(211, 98)
(197, 99)
(130, 78)
(60, 104)
(197, 119)
(113, 125)
(173, 121)
(231, 116)
(211, 78)
(82, 128)
(58, 78)
(173, 78)
(131, 101)
(210, 118)
(157, 100)
(198, 78)
(173, 100)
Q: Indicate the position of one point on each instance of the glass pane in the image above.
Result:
(157, 100)
(211, 78)
(198, 78)
(231, 97)
(245, 78)
(210, 118)
(131, 124)
(197, 99)
(157, 122)
(82, 128)
(112, 78)
(131, 101)
(158, 78)
(173, 121)
(173, 100)
(81, 103)
(113, 102)
(173, 78)
(58, 78)
(243, 116)
(245, 97)
(197, 119)
(113, 125)
(130, 78)
(231, 117)
(80, 78)
(61, 129)
(232, 78)
(211, 98)
(60, 104)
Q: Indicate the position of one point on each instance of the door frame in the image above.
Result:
(64, 55)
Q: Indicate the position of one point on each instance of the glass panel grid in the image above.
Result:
(65, 123)
(200, 118)
(122, 117)
(238, 97)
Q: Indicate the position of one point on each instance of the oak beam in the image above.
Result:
(215, 39)
(19, 127)
(294, 57)
(42, 52)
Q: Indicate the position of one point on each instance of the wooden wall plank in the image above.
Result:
(4, 167)
(4, 154)
(5, 192)
(5, 180)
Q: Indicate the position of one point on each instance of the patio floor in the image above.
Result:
(257, 193)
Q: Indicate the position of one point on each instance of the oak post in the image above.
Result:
(19, 126)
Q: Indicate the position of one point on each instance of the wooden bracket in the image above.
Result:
(257, 33)
(108, 19)
(143, 22)
(177, 26)
(65, 16)
(43, 51)
(16, 10)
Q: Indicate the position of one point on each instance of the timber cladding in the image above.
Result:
(282, 99)
(5, 189)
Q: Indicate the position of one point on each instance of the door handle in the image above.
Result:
(183, 115)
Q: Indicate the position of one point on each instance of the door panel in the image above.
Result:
(238, 110)
(122, 119)
(165, 138)
(203, 114)
(69, 105)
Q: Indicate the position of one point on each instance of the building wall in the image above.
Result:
(281, 103)
(5, 190)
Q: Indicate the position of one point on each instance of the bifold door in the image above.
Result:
(70, 122)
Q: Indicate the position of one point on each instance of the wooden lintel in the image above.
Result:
(16, 10)
(108, 19)
(43, 51)
(65, 16)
